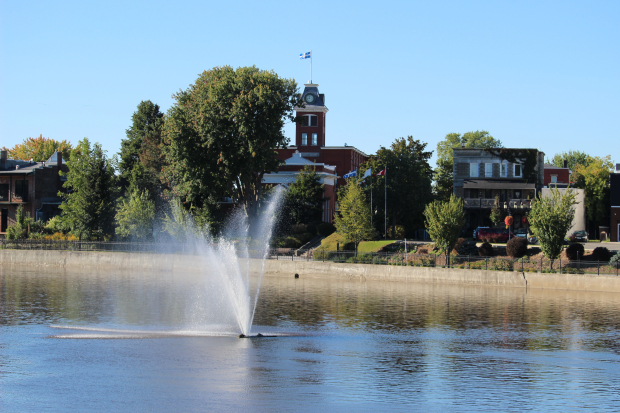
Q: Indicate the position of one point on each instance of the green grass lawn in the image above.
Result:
(329, 244)
(372, 246)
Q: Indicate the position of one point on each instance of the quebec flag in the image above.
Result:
(350, 174)
(305, 55)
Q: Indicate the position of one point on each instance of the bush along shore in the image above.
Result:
(467, 255)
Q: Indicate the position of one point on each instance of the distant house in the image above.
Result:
(34, 185)
(614, 189)
(556, 177)
(504, 177)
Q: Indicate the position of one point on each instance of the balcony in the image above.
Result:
(489, 203)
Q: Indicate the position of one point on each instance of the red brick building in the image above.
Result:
(330, 162)
(34, 185)
(556, 177)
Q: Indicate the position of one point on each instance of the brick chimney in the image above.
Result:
(2, 159)
(59, 159)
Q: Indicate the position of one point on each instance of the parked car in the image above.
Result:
(476, 232)
(493, 234)
(521, 232)
(579, 236)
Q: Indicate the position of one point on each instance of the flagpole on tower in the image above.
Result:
(310, 66)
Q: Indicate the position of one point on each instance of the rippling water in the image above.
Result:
(120, 341)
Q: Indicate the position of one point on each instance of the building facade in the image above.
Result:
(556, 177)
(614, 195)
(499, 177)
(33, 185)
(330, 162)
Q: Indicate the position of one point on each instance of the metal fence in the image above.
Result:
(525, 264)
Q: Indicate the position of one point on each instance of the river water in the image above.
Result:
(130, 341)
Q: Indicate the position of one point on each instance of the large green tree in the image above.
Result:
(353, 218)
(550, 219)
(572, 158)
(409, 183)
(135, 215)
(593, 178)
(140, 160)
(444, 221)
(304, 198)
(39, 149)
(221, 134)
(88, 205)
(445, 161)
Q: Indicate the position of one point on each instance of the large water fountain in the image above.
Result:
(218, 299)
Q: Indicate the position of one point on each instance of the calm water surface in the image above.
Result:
(139, 342)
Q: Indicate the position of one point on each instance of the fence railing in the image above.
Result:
(526, 264)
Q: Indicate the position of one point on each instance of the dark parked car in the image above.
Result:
(581, 236)
(493, 234)
(476, 232)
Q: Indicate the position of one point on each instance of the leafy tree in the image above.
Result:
(573, 158)
(304, 198)
(496, 215)
(39, 149)
(445, 161)
(25, 226)
(88, 207)
(353, 218)
(140, 156)
(594, 179)
(550, 219)
(135, 215)
(221, 133)
(444, 221)
(409, 183)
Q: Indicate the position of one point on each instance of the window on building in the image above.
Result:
(304, 139)
(554, 179)
(309, 120)
(4, 192)
(21, 189)
(314, 139)
(518, 173)
(473, 170)
(488, 170)
(503, 170)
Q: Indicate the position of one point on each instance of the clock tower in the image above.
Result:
(310, 133)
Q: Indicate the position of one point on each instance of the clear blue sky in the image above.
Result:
(537, 74)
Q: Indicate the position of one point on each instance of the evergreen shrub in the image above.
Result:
(485, 250)
(600, 254)
(516, 247)
(575, 251)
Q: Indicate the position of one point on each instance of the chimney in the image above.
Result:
(59, 158)
(2, 159)
(565, 163)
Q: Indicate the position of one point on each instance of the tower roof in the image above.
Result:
(313, 100)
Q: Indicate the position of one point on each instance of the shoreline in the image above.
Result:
(314, 269)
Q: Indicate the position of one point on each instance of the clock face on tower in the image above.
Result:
(309, 98)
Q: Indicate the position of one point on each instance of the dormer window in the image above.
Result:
(309, 120)
(503, 172)
(518, 172)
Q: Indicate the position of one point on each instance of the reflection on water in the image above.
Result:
(345, 345)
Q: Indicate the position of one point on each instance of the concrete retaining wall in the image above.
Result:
(317, 269)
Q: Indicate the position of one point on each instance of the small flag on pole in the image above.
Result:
(350, 174)
(382, 173)
(307, 55)
(367, 173)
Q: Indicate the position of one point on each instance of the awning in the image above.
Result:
(488, 184)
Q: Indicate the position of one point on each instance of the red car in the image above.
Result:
(493, 235)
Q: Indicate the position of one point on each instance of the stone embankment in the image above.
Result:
(103, 261)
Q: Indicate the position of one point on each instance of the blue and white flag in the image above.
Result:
(350, 174)
(305, 55)
(367, 173)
